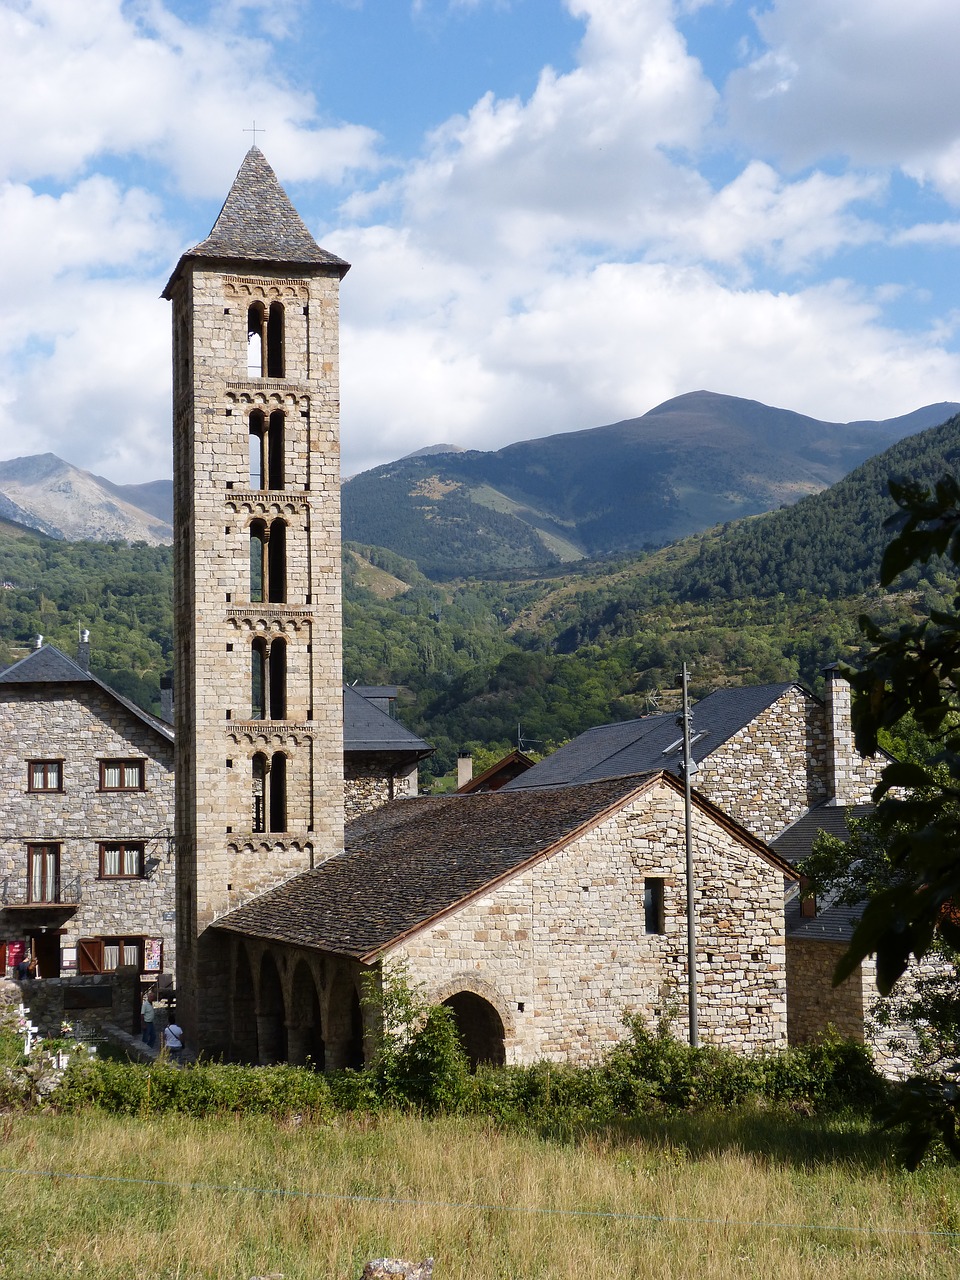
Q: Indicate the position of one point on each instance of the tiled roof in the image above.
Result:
(258, 223)
(411, 860)
(831, 923)
(637, 746)
(367, 728)
(796, 842)
(48, 665)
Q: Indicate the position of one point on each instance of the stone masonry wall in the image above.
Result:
(560, 950)
(814, 1003)
(366, 785)
(223, 859)
(774, 769)
(81, 725)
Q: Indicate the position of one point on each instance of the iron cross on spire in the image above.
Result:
(255, 131)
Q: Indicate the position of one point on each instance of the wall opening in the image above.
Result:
(258, 679)
(256, 326)
(278, 792)
(275, 354)
(480, 1027)
(258, 543)
(277, 676)
(277, 563)
(256, 450)
(259, 793)
(275, 478)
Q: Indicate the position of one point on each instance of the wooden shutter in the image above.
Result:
(89, 955)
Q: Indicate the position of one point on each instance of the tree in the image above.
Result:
(914, 906)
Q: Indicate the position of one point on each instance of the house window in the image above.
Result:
(122, 775)
(43, 873)
(44, 775)
(653, 904)
(121, 861)
(104, 955)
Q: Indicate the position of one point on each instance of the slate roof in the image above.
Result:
(258, 223)
(637, 746)
(409, 861)
(367, 728)
(831, 924)
(48, 665)
(796, 841)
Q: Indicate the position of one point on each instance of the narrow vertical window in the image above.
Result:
(653, 904)
(275, 360)
(255, 336)
(259, 797)
(256, 450)
(278, 679)
(278, 792)
(258, 679)
(274, 452)
(258, 538)
(277, 563)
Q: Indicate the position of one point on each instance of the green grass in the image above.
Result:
(750, 1194)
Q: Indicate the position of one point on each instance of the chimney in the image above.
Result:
(845, 781)
(166, 698)
(38, 642)
(464, 768)
(808, 900)
(83, 651)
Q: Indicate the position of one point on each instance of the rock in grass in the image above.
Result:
(381, 1267)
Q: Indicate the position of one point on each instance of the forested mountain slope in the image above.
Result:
(688, 464)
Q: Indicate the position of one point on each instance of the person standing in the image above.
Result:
(147, 1016)
(173, 1037)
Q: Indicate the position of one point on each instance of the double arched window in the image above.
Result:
(269, 792)
(268, 679)
(268, 562)
(266, 450)
(265, 357)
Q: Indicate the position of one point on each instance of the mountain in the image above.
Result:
(692, 462)
(43, 492)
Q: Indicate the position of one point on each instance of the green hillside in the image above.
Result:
(552, 651)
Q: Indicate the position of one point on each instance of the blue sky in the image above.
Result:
(560, 213)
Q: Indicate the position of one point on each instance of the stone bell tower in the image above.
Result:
(259, 755)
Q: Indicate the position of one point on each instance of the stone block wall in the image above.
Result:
(81, 724)
(814, 1003)
(561, 951)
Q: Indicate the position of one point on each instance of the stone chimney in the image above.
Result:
(38, 642)
(464, 768)
(846, 783)
(83, 651)
(166, 698)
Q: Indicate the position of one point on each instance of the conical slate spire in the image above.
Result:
(259, 224)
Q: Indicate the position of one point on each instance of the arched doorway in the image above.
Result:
(305, 1029)
(480, 1027)
(271, 1023)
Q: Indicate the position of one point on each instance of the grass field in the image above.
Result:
(715, 1197)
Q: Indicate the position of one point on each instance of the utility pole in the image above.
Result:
(688, 770)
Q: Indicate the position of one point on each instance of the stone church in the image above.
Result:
(540, 913)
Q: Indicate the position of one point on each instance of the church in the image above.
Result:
(541, 913)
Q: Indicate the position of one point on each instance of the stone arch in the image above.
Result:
(243, 1022)
(271, 1014)
(344, 1025)
(481, 1028)
(305, 1024)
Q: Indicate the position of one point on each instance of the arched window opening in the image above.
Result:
(258, 679)
(275, 451)
(277, 667)
(256, 324)
(257, 433)
(258, 544)
(278, 792)
(275, 361)
(480, 1027)
(277, 563)
(259, 793)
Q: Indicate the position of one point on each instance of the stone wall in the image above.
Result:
(88, 1003)
(366, 785)
(81, 724)
(561, 952)
(814, 1003)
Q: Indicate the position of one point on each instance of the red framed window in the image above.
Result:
(44, 775)
(122, 775)
(121, 860)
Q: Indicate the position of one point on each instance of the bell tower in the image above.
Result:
(259, 735)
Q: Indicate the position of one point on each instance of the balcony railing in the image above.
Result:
(15, 893)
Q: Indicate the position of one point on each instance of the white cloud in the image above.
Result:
(872, 80)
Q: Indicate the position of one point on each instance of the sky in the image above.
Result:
(560, 213)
